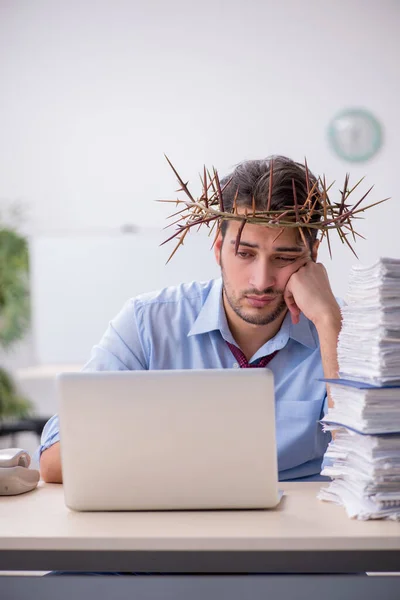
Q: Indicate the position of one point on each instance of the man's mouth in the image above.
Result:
(260, 301)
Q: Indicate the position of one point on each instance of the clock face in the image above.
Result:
(355, 135)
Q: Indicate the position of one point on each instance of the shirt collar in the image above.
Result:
(212, 317)
(301, 333)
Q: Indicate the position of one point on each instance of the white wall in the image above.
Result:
(94, 92)
(74, 303)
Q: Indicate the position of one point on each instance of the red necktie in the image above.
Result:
(242, 360)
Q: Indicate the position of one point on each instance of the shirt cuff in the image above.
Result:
(49, 442)
(50, 435)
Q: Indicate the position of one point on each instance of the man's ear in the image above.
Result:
(314, 250)
(218, 247)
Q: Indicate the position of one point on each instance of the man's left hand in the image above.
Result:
(308, 291)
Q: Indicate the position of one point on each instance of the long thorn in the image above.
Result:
(183, 184)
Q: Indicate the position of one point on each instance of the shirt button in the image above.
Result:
(235, 365)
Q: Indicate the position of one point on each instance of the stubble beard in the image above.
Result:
(254, 318)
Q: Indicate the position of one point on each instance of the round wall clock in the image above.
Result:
(355, 134)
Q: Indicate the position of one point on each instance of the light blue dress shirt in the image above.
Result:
(185, 327)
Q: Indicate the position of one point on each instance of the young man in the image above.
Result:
(273, 305)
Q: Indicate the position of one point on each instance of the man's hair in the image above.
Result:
(251, 179)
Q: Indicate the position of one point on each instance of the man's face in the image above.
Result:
(254, 279)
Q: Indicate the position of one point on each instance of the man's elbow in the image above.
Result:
(50, 464)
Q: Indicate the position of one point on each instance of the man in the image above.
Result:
(273, 305)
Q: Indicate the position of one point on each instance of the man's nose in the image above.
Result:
(262, 276)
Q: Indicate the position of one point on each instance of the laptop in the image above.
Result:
(168, 440)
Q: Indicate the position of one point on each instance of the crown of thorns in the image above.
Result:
(316, 212)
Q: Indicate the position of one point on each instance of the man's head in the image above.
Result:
(251, 179)
(256, 276)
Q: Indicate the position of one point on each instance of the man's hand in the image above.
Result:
(50, 464)
(308, 291)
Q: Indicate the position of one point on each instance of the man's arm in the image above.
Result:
(309, 291)
(120, 349)
(328, 329)
(50, 464)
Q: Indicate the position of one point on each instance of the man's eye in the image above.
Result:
(285, 259)
(244, 254)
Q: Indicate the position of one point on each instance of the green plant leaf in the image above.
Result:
(14, 287)
(12, 404)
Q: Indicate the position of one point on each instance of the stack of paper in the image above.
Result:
(369, 343)
(365, 472)
(363, 460)
(363, 407)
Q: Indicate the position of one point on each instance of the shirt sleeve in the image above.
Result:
(50, 435)
(121, 348)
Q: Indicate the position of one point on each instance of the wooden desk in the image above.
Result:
(304, 535)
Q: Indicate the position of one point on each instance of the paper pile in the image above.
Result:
(364, 458)
(369, 343)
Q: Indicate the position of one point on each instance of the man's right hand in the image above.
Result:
(50, 464)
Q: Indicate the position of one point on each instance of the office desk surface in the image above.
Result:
(38, 524)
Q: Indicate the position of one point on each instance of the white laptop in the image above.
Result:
(163, 440)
